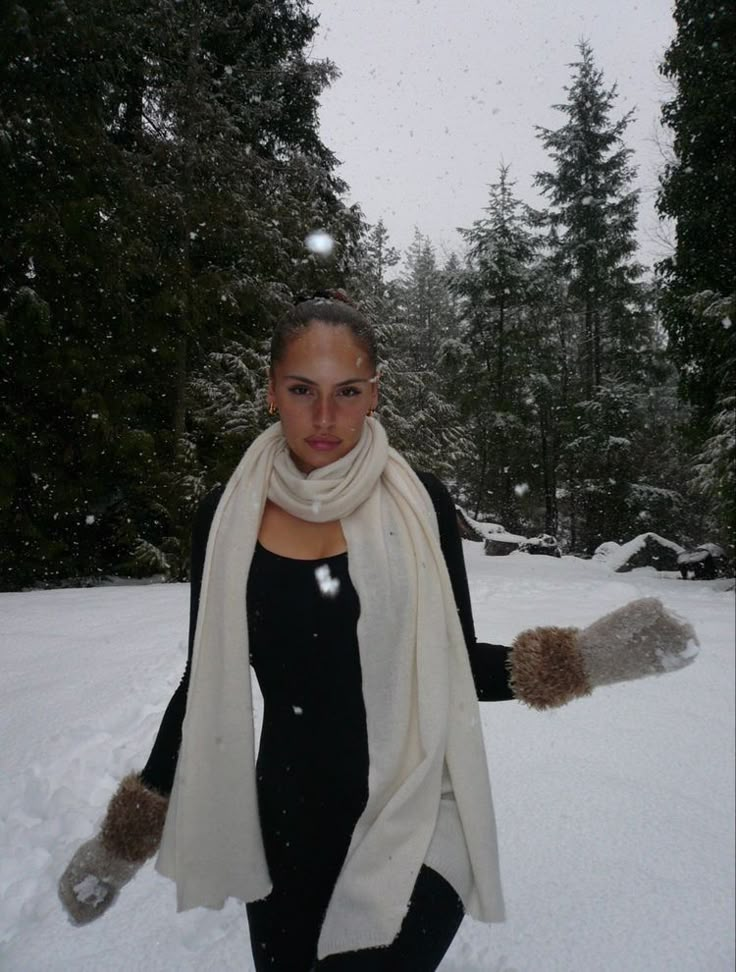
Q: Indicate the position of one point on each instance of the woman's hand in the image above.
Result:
(130, 834)
(551, 666)
(92, 880)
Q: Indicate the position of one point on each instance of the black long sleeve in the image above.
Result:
(158, 773)
(488, 662)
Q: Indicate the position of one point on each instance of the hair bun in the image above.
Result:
(318, 295)
(341, 295)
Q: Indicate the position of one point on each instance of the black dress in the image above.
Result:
(312, 767)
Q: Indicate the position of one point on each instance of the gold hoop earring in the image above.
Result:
(369, 413)
(272, 408)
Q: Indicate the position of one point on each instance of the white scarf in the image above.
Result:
(421, 708)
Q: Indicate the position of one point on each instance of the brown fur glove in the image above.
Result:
(552, 666)
(130, 834)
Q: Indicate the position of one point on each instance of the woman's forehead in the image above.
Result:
(325, 348)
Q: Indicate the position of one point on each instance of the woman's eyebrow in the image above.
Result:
(347, 381)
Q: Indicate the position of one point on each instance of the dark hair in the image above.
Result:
(326, 307)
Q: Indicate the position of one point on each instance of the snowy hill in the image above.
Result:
(615, 814)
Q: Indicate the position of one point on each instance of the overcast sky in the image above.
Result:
(434, 94)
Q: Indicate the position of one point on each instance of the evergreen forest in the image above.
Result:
(161, 166)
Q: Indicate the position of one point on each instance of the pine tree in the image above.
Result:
(374, 260)
(698, 189)
(716, 470)
(497, 281)
(604, 321)
(593, 213)
(244, 179)
(419, 411)
(228, 406)
(153, 204)
(62, 290)
(547, 386)
(369, 285)
(495, 287)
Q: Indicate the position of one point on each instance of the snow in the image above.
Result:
(320, 243)
(329, 586)
(614, 555)
(90, 889)
(503, 537)
(693, 556)
(493, 531)
(615, 814)
(712, 548)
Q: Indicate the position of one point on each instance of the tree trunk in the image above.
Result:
(588, 350)
(500, 395)
(573, 517)
(131, 127)
(549, 473)
(186, 323)
(482, 477)
(180, 387)
(596, 349)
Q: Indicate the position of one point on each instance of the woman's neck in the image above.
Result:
(288, 536)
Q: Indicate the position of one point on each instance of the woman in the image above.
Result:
(364, 830)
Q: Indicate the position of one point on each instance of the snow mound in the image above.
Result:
(618, 556)
(485, 529)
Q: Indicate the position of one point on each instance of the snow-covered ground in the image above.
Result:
(615, 814)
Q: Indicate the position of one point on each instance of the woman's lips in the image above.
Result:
(322, 444)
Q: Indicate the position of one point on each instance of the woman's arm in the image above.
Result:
(488, 663)
(134, 820)
(547, 667)
(158, 773)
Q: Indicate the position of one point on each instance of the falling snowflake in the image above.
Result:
(328, 585)
(320, 243)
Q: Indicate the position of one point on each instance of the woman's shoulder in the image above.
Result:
(442, 502)
(437, 490)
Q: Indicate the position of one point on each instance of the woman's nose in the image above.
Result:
(324, 411)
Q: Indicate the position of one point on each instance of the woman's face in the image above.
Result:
(323, 386)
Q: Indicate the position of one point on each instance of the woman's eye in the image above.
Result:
(349, 392)
(299, 390)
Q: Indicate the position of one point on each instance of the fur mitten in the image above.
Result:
(130, 834)
(551, 666)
